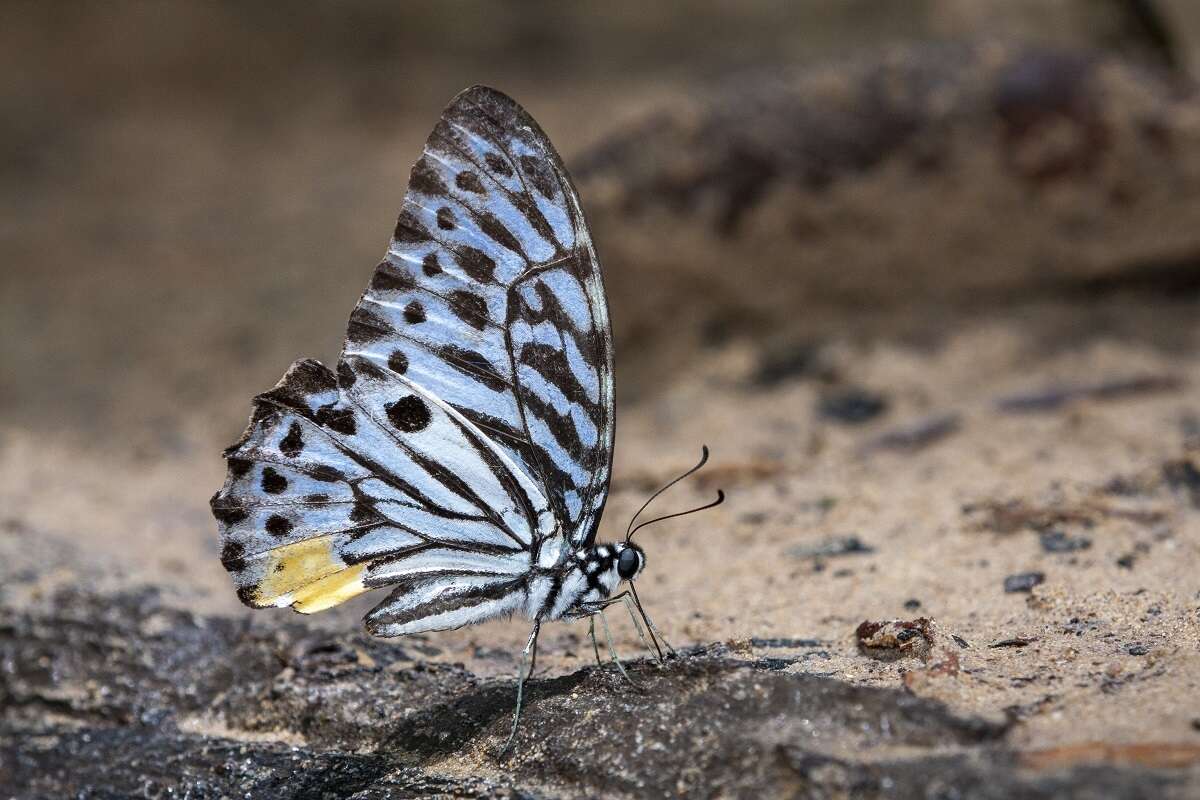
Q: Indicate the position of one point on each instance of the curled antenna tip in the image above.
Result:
(720, 499)
(703, 460)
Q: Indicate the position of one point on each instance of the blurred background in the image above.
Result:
(195, 193)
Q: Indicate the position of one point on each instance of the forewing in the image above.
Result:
(490, 298)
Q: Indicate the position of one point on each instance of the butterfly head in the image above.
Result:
(631, 560)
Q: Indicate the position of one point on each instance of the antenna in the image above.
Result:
(720, 499)
(703, 459)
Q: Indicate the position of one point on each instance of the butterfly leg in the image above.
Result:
(654, 630)
(532, 659)
(623, 597)
(592, 633)
(612, 650)
(530, 648)
(655, 633)
(654, 653)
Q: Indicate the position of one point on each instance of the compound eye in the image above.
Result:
(628, 563)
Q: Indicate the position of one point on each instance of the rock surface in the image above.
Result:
(121, 695)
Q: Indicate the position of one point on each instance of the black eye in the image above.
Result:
(627, 564)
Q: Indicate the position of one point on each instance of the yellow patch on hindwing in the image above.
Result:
(309, 576)
(330, 590)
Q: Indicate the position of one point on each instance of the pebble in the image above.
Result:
(852, 406)
(1060, 542)
(1023, 582)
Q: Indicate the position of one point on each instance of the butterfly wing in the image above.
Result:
(491, 297)
(467, 434)
(337, 487)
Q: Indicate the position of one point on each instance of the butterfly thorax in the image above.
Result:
(588, 577)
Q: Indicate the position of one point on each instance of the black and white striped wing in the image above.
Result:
(340, 486)
(490, 296)
(467, 434)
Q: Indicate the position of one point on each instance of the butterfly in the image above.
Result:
(461, 450)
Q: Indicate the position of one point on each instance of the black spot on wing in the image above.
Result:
(409, 229)
(326, 474)
(366, 326)
(430, 265)
(539, 174)
(336, 419)
(495, 229)
(238, 467)
(478, 265)
(293, 443)
(346, 376)
(372, 370)
(228, 514)
(364, 514)
(273, 482)
(398, 362)
(231, 556)
(470, 308)
(425, 179)
(389, 277)
(305, 379)
(469, 182)
(414, 313)
(409, 414)
(278, 525)
(498, 165)
(445, 219)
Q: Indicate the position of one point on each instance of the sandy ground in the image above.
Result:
(945, 523)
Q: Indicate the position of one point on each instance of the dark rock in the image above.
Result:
(840, 546)
(852, 406)
(1137, 649)
(1059, 542)
(1056, 397)
(1016, 641)
(1183, 476)
(789, 361)
(912, 604)
(915, 435)
(1023, 582)
(785, 642)
(95, 689)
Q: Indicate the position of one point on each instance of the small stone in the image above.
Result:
(852, 406)
(1060, 542)
(1126, 561)
(1023, 582)
(1137, 649)
(912, 604)
(841, 546)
